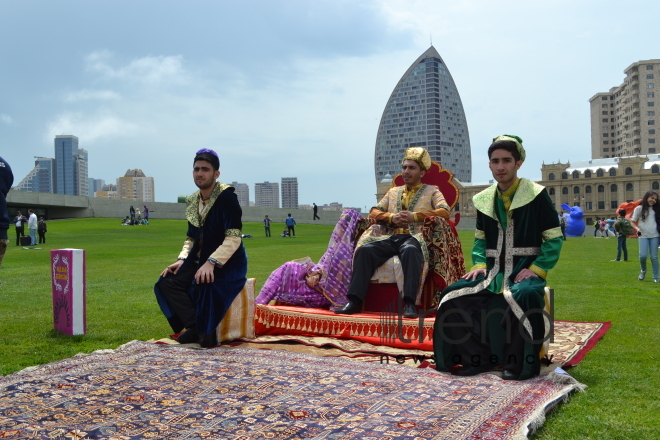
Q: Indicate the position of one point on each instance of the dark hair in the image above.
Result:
(214, 161)
(622, 212)
(645, 204)
(509, 146)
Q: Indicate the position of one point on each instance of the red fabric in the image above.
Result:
(440, 177)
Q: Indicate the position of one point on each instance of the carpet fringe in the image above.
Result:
(558, 375)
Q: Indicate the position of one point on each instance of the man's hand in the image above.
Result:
(205, 273)
(172, 268)
(403, 218)
(524, 274)
(474, 274)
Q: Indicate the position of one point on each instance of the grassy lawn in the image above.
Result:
(123, 263)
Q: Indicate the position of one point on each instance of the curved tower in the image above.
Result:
(424, 110)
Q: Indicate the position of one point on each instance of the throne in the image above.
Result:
(446, 264)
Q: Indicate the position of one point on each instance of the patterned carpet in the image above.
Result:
(144, 391)
(572, 341)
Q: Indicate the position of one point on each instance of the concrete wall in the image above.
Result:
(57, 206)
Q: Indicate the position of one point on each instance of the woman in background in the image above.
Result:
(644, 221)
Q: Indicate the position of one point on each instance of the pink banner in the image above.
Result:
(69, 290)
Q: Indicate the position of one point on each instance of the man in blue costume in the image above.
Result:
(517, 241)
(195, 291)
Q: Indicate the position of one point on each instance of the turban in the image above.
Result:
(209, 156)
(516, 140)
(419, 155)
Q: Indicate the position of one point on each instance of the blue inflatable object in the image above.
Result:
(574, 220)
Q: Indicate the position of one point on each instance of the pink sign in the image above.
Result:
(69, 290)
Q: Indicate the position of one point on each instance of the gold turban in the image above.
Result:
(516, 140)
(419, 155)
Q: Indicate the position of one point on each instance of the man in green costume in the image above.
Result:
(517, 241)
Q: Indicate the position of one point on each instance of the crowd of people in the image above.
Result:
(135, 217)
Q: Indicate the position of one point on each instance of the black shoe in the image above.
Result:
(208, 341)
(509, 375)
(471, 371)
(188, 337)
(349, 309)
(409, 311)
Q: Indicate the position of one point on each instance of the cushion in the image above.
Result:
(239, 319)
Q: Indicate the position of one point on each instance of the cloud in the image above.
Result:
(91, 95)
(152, 70)
(89, 128)
(6, 119)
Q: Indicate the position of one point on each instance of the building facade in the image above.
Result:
(424, 110)
(135, 185)
(623, 120)
(70, 167)
(95, 185)
(290, 192)
(242, 192)
(107, 192)
(267, 194)
(598, 186)
(40, 179)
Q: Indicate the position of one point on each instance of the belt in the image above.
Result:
(401, 231)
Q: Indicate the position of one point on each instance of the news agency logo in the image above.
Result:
(392, 325)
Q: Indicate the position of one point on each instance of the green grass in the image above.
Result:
(123, 263)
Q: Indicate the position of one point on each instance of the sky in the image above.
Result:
(297, 88)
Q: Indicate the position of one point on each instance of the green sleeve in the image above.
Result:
(479, 254)
(550, 250)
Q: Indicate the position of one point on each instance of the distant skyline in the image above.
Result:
(297, 88)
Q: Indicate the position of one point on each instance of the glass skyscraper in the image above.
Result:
(70, 167)
(424, 110)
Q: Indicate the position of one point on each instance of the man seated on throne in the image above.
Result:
(401, 214)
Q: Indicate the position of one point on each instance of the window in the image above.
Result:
(649, 76)
(650, 113)
(613, 188)
(587, 174)
(576, 175)
(651, 122)
(605, 135)
(601, 189)
(655, 169)
(588, 205)
(649, 67)
(612, 171)
(655, 185)
(650, 95)
(551, 176)
(564, 175)
(629, 186)
(587, 189)
(604, 106)
(604, 98)
(651, 141)
(614, 204)
(649, 85)
(651, 130)
(604, 112)
(605, 120)
(606, 149)
(564, 190)
(650, 104)
(551, 192)
(628, 171)
(601, 205)
(651, 150)
(599, 173)
(576, 190)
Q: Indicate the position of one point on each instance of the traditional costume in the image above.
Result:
(517, 229)
(214, 233)
(381, 242)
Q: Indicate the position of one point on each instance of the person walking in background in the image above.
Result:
(32, 226)
(267, 223)
(562, 224)
(42, 229)
(643, 220)
(20, 220)
(146, 214)
(316, 210)
(6, 181)
(596, 227)
(291, 225)
(623, 228)
(604, 229)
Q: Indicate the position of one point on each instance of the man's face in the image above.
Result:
(411, 172)
(504, 168)
(204, 175)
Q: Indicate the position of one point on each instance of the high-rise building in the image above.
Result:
(623, 120)
(107, 192)
(242, 192)
(267, 194)
(290, 192)
(135, 185)
(424, 110)
(40, 179)
(70, 167)
(94, 185)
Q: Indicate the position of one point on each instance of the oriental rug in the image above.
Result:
(144, 390)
